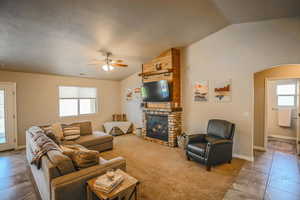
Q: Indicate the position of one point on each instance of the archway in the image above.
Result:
(291, 71)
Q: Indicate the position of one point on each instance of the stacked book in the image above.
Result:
(106, 185)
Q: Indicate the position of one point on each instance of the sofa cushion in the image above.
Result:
(211, 138)
(62, 162)
(197, 148)
(94, 139)
(85, 127)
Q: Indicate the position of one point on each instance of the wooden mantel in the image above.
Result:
(165, 67)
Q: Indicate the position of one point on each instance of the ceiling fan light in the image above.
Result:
(105, 68)
(111, 67)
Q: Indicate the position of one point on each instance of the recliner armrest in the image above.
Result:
(218, 151)
(196, 138)
(221, 141)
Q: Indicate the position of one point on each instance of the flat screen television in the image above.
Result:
(157, 91)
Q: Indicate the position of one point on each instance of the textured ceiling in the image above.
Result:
(62, 36)
(239, 11)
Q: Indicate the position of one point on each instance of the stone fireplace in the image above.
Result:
(162, 119)
(162, 126)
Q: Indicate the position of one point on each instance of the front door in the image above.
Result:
(7, 116)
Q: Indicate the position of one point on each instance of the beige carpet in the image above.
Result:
(165, 174)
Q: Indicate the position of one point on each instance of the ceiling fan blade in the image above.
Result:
(98, 60)
(117, 61)
(119, 65)
(95, 63)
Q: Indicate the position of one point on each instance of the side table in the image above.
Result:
(125, 191)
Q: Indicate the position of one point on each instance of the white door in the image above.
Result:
(298, 117)
(7, 116)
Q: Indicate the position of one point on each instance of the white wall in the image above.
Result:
(273, 129)
(37, 99)
(132, 107)
(236, 52)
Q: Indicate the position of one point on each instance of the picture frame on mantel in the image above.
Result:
(223, 91)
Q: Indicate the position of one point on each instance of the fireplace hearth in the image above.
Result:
(157, 127)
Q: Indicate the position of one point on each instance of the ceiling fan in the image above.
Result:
(108, 63)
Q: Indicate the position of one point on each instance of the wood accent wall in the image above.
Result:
(165, 67)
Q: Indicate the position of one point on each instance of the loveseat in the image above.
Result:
(57, 178)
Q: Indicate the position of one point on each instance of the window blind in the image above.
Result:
(69, 92)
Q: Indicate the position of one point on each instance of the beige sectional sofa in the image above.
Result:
(93, 140)
(57, 178)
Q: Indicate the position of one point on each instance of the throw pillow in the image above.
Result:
(71, 132)
(81, 157)
(49, 133)
(57, 131)
(85, 127)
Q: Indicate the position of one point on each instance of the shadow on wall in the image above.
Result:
(287, 71)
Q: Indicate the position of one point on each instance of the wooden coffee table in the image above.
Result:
(125, 191)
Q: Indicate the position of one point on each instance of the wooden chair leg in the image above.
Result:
(208, 168)
(187, 156)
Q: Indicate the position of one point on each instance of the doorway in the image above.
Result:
(8, 139)
(282, 115)
(276, 89)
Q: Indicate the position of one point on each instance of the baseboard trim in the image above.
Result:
(259, 148)
(283, 137)
(20, 147)
(248, 158)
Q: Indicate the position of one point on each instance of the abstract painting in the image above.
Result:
(129, 94)
(222, 91)
(201, 91)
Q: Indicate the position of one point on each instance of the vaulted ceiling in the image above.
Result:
(62, 36)
(240, 11)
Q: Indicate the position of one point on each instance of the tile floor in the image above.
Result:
(282, 145)
(274, 175)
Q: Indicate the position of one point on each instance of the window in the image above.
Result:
(286, 95)
(74, 101)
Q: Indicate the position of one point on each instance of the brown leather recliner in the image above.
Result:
(212, 148)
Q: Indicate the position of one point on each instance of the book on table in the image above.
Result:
(106, 185)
